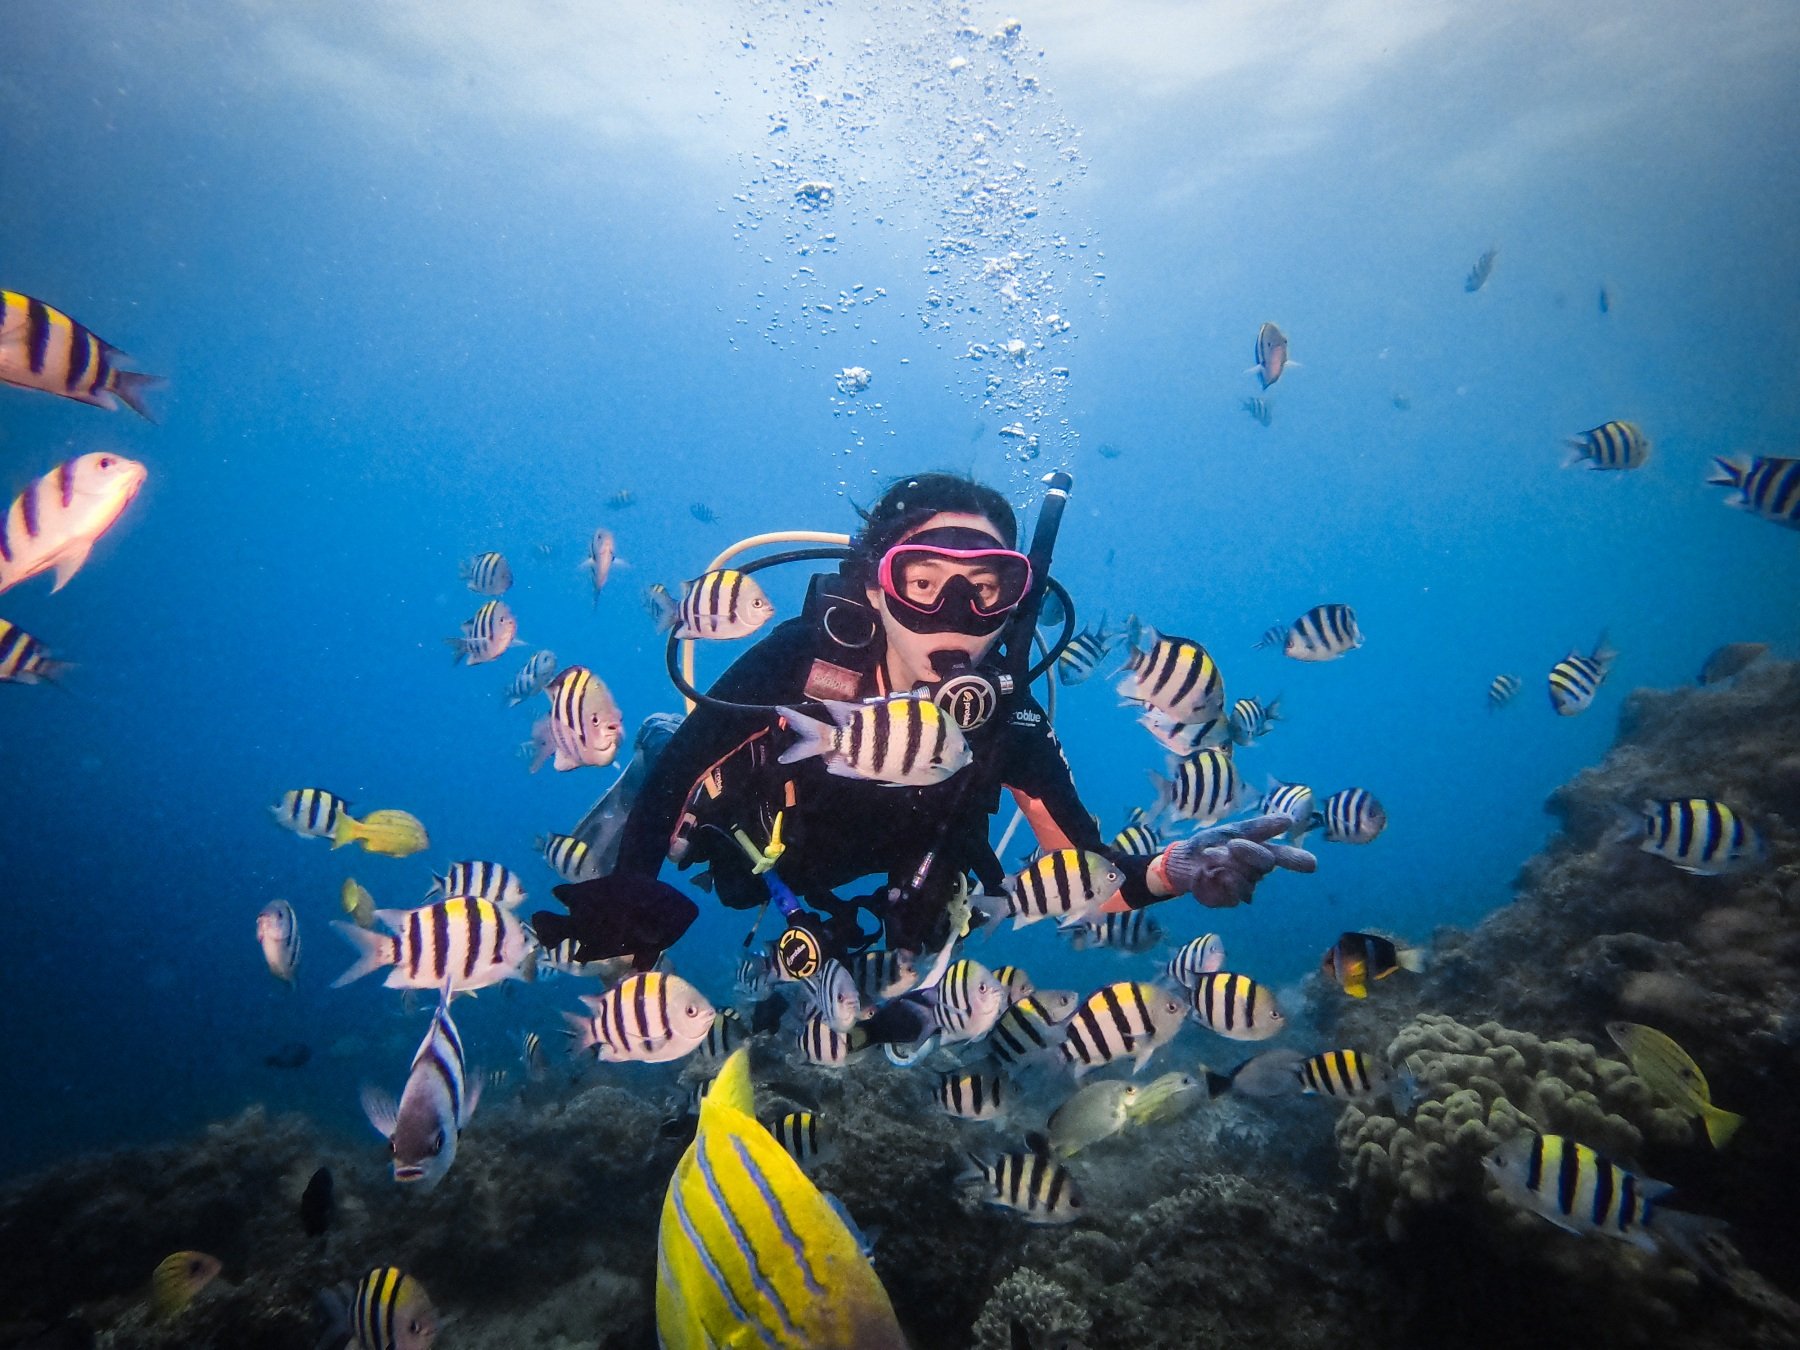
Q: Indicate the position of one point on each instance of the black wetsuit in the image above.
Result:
(719, 771)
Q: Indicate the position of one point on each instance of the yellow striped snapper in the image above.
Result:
(1734, 658)
(649, 1017)
(389, 1310)
(532, 677)
(1766, 486)
(1205, 789)
(1271, 354)
(434, 1107)
(1183, 739)
(723, 604)
(1353, 816)
(391, 833)
(902, 741)
(1086, 650)
(1575, 1188)
(1014, 981)
(970, 1094)
(42, 348)
(569, 857)
(1236, 1007)
(750, 1252)
(1066, 884)
(1293, 800)
(487, 574)
(358, 903)
(1323, 633)
(831, 992)
(1343, 1075)
(469, 943)
(178, 1280)
(599, 562)
(312, 813)
(1611, 445)
(1032, 1026)
(1697, 834)
(1174, 676)
(1132, 931)
(54, 523)
(1670, 1072)
(803, 1136)
(1251, 719)
(1575, 679)
(881, 975)
(24, 660)
(1501, 691)
(1203, 956)
(825, 1047)
(490, 881)
(1095, 1112)
(1129, 1019)
(278, 931)
(486, 636)
(1165, 1098)
(1481, 271)
(1032, 1183)
(584, 727)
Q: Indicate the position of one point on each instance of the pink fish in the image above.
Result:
(55, 521)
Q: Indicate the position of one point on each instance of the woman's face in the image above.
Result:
(909, 653)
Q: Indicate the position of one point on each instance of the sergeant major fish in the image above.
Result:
(44, 349)
(54, 523)
(601, 558)
(584, 727)
(487, 574)
(278, 932)
(1252, 719)
(1202, 956)
(649, 1017)
(1066, 884)
(434, 1108)
(24, 660)
(1236, 1007)
(1293, 800)
(1766, 485)
(1205, 789)
(1086, 650)
(1185, 739)
(486, 636)
(883, 974)
(1323, 633)
(1501, 691)
(532, 677)
(719, 605)
(1126, 1020)
(1031, 1183)
(490, 881)
(312, 813)
(1575, 679)
(802, 1135)
(571, 858)
(1699, 835)
(464, 942)
(900, 741)
(1032, 1026)
(1173, 675)
(832, 993)
(1134, 930)
(1611, 445)
(971, 1094)
(388, 1310)
(1353, 816)
(1271, 354)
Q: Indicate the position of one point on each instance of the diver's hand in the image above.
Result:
(1221, 866)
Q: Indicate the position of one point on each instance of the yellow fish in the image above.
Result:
(397, 834)
(750, 1252)
(43, 348)
(358, 903)
(178, 1278)
(1672, 1075)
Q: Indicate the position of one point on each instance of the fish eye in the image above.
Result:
(437, 1144)
(106, 461)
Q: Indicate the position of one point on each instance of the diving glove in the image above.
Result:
(1221, 866)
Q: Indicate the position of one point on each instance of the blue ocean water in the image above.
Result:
(429, 281)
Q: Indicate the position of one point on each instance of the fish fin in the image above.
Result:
(458, 650)
(372, 950)
(1357, 989)
(348, 830)
(1721, 1125)
(815, 736)
(1410, 958)
(1578, 451)
(731, 1087)
(1651, 1189)
(663, 608)
(70, 563)
(131, 386)
(381, 1109)
(1727, 473)
(1218, 1084)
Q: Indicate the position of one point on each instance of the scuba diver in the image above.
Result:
(934, 596)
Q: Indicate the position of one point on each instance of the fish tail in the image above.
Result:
(1218, 1084)
(1577, 451)
(1356, 988)
(815, 736)
(662, 608)
(53, 672)
(374, 950)
(1410, 958)
(1727, 473)
(1721, 1125)
(458, 649)
(582, 1039)
(348, 830)
(131, 386)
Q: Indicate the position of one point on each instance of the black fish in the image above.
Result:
(293, 1055)
(316, 1203)
(617, 916)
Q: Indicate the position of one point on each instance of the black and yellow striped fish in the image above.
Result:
(487, 635)
(1134, 930)
(1014, 981)
(25, 660)
(487, 574)
(311, 812)
(1343, 1074)
(1251, 719)
(1205, 789)
(801, 1134)
(649, 1017)
(1065, 884)
(490, 881)
(820, 1044)
(463, 942)
(1129, 1019)
(571, 858)
(1575, 679)
(1086, 650)
(1501, 691)
(1611, 445)
(970, 1094)
(1236, 1007)
(1032, 1026)
(1138, 840)
(391, 1311)
(1767, 486)
(43, 348)
(723, 604)
(1576, 1188)
(902, 741)
(1032, 1183)
(1323, 633)
(1699, 835)
(1174, 675)
(966, 1002)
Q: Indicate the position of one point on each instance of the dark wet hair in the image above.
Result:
(910, 501)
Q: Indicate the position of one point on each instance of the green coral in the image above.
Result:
(1480, 1086)
(1042, 1306)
